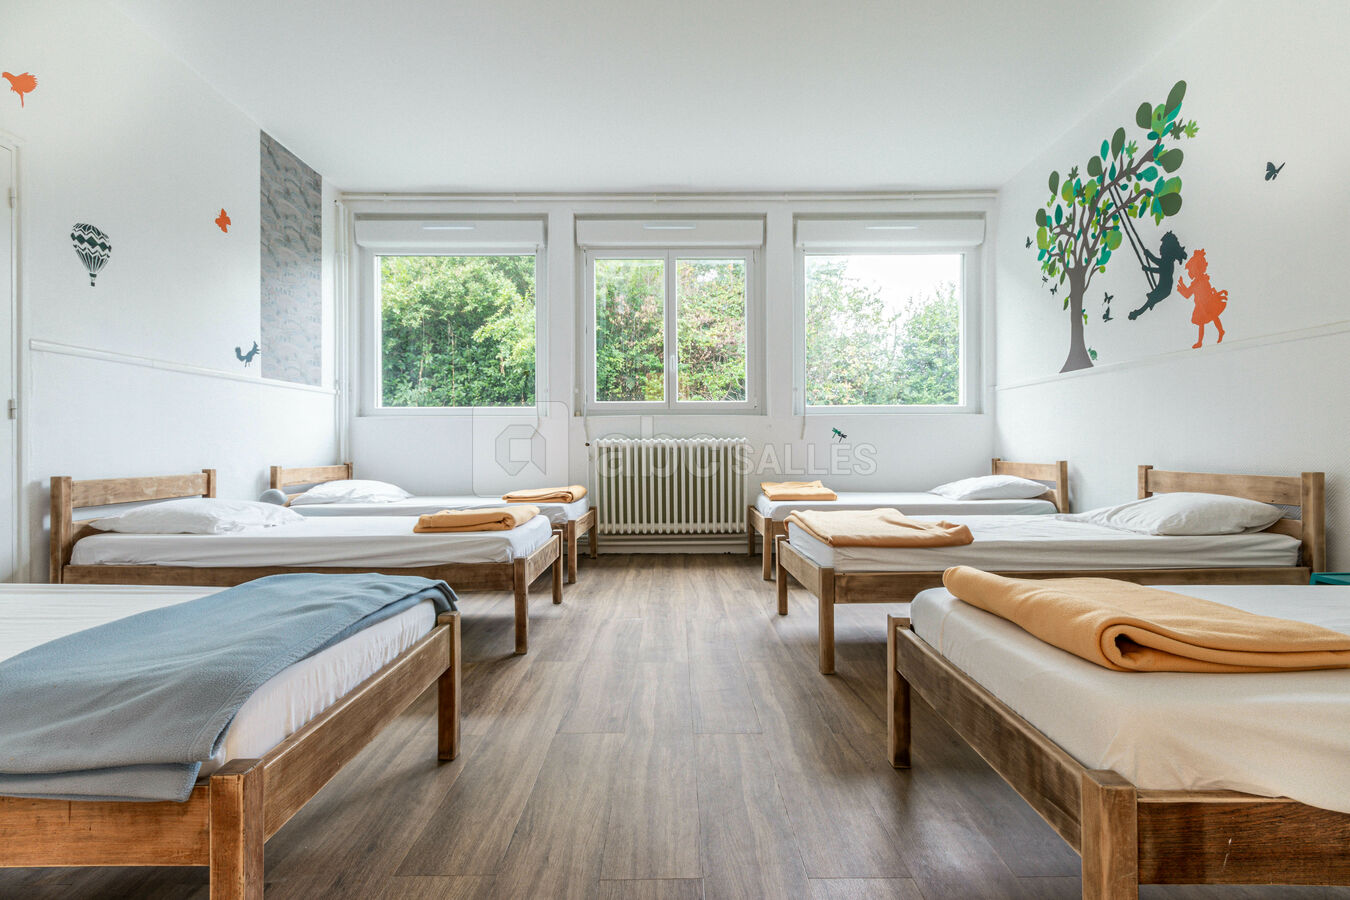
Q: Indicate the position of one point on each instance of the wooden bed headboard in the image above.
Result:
(1055, 473)
(283, 478)
(1306, 491)
(69, 495)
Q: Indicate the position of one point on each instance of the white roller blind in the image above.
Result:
(899, 232)
(449, 235)
(658, 232)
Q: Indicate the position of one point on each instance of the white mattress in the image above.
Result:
(376, 541)
(557, 513)
(1285, 734)
(1031, 543)
(911, 504)
(36, 613)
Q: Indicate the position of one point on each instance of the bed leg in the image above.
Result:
(826, 628)
(594, 536)
(749, 533)
(447, 696)
(522, 596)
(897, 701)
(783, 579)
(571, 552)
(1110, 837)
(768, 550)
(237, 831)
(558, 572)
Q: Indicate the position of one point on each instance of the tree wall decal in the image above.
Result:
(1089, 216)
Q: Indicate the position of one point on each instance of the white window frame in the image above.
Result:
(971, 330)
(754, 332)
(370, 329)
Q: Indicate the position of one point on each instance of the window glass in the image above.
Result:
(630, 336)
(883, 329)
(457, 330)
(710, 329)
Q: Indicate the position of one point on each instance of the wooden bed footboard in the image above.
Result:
(232, 812)
(1125, 836)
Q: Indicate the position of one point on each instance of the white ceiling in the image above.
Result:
(633, 95)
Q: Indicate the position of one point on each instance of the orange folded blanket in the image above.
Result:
(569, 494)
(797, 490)
(1132, 628)
(878, 528)
(496, 518)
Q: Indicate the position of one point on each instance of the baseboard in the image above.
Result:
(675, 543)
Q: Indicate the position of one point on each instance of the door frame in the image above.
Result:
(18, 374)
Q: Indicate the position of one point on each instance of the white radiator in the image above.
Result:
(674, 486)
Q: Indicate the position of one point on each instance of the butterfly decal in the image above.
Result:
(1272, 170)
(1028, 243)
(1054, 288)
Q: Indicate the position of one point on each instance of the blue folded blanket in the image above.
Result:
(131, 709)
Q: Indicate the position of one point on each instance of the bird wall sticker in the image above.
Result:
(223, 221)
(1209, 303)
(93, 248)
(20, 84)
(1272, 171)
(247, 358)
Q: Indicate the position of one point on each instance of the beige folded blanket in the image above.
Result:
(569, 494)
(797, 490)
(1132, 628)
(878, 528)
(496, 518)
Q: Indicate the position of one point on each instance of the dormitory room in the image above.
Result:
(472, 450)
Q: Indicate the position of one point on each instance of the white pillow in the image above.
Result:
(1184, 513)
(351, 491)
(198, 515)
(991, 487)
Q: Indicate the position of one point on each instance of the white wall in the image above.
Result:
(122, 135)
(1263, 85)
(453, 454)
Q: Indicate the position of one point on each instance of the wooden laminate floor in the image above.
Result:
(666, 738)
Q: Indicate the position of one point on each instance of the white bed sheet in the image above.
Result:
(377, 541)
(909, 503)
(557, 513)
(1285, 734)
(1031, 543)
(34, 614)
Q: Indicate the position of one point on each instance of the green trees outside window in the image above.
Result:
(883, 330)
(457, 330)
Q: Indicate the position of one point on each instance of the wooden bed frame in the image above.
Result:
(1056, 474)
(232, 812)
(68, 495)
(1307, 492)
(1126, 836)
(571, 531)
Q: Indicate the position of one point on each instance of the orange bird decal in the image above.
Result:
(223, 220)
(20, 84)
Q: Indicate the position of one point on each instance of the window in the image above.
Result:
(883, 330)
(456, 330)
(669, 327)
(453, 313)
(885, 320)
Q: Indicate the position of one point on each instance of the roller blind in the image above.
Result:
(401, 235)
(900, 232)
(690, 233)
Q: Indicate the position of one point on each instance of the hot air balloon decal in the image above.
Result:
(93, 248)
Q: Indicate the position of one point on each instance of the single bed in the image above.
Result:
(289, 739)
(766, 517)
(81, 554)
(1158, 777)
(571, 520)
(1044, 547)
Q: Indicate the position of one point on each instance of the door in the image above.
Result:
(8, 429)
